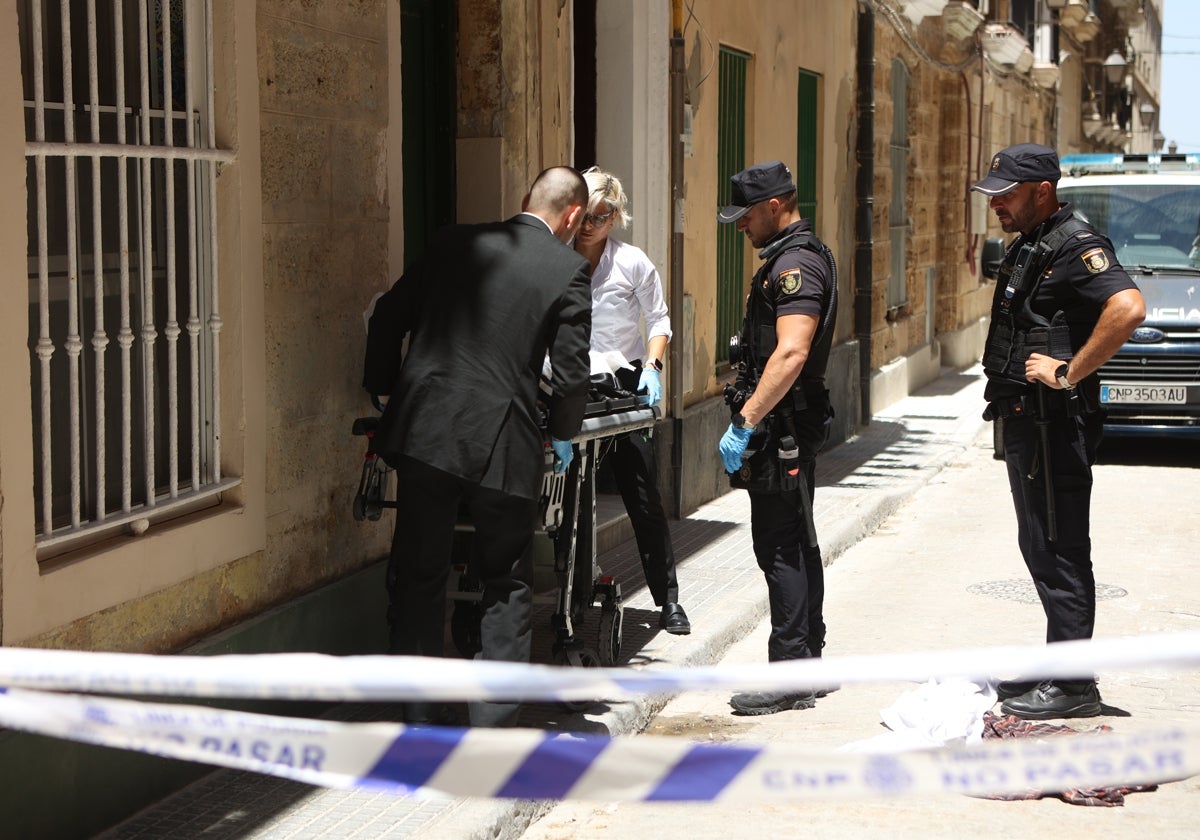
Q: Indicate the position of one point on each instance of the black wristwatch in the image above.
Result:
(654, 363)
(739, 422)
(1061, 375)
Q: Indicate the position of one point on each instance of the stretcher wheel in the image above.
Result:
(576, 656)
(609, 642)
(580, 657)
(465, 627)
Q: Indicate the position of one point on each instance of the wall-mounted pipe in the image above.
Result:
(864, 208)
(678, 80)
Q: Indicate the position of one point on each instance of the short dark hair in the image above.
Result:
(557, 189)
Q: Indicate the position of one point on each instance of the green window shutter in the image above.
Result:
(731, 159)
(807, 120)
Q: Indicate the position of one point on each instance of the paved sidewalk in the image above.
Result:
(859, 484)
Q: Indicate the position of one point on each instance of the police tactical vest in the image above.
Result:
(758, 330)
(1017, 330)
(766, 469)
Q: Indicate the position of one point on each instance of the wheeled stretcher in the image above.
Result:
(566, 573)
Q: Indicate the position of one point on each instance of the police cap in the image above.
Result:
(1018, 164)
(754, 184)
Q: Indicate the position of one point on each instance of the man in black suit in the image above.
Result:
(481, 309)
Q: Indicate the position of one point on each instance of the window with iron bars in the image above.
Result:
(124, 318)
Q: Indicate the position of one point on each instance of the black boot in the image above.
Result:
(770, 702)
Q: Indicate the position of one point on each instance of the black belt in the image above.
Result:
(1058, 406)
(1006, 407)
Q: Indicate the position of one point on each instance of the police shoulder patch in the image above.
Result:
(1095, 260)
(790, 281)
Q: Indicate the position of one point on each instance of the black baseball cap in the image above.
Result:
(754, 184)
(1018, 164)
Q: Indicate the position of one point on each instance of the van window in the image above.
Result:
(1154, 225)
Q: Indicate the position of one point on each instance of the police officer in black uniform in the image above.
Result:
(1063, 305)
(782, 413)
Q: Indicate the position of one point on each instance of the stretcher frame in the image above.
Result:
(567, 518)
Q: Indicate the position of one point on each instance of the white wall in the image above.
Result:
(633, 116)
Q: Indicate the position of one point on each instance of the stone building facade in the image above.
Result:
(316, 144)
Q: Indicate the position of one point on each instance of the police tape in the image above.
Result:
(305, 676)
(532, 764)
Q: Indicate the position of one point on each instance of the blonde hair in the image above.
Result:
(605, 188)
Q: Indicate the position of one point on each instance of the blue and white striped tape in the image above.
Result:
(304, 676)
(539, 765)
(531, 764)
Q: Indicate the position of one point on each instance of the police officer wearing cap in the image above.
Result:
(781, 413)
(1062, 306)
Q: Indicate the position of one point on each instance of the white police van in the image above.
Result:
(1149, 206)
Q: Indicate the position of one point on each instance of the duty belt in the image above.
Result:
(1006, 407)
(1058, 405)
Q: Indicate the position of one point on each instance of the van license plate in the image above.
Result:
(1143, 394)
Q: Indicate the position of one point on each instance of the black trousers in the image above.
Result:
(1061, 568)
(635, 472)
(794, 572)
(428, 504)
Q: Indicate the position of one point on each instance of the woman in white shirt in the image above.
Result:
(625, 292)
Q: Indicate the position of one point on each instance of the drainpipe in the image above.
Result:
(678, 80)
(864, 207)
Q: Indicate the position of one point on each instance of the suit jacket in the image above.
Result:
(481, 309)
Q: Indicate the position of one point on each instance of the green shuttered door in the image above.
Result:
(731, 159)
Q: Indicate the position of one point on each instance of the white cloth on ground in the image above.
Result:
(936, 713)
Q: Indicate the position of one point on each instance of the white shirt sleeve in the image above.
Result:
(625, 291)
(654, 307)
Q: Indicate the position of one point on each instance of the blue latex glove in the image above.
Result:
(732, 445)
(564, 454)
(651, 384)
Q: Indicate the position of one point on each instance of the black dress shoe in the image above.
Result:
(674, 620)
(1014, 688)
(770, 702)
(1050, 700)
